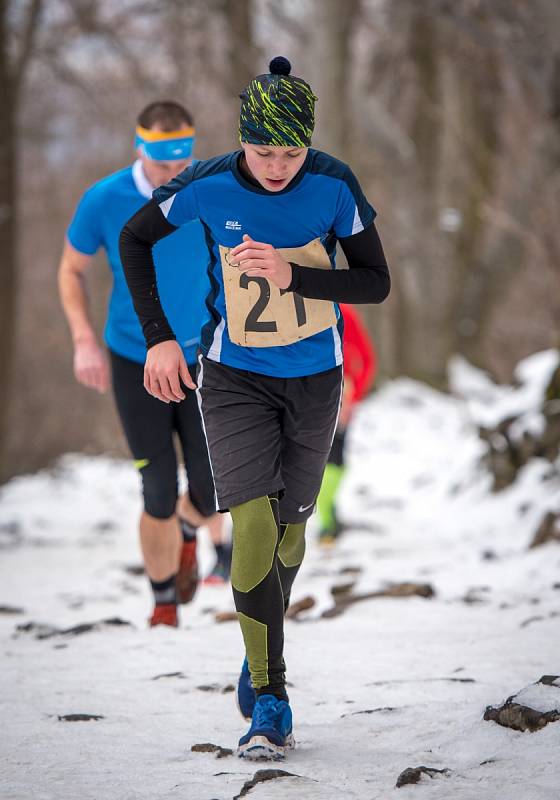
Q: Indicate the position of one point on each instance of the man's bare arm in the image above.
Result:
(90, 362)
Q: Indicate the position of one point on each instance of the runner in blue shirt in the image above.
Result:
(164, 139)
(270, 376)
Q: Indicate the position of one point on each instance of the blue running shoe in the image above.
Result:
(270, 734)
(246, 697)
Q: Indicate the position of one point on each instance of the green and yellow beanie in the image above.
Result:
(277, 109)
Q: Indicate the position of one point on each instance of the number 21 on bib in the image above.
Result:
(259, 314)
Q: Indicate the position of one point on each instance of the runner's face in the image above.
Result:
(161, 172)
(274, 167)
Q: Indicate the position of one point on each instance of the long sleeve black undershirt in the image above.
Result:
(137, 238)
(366, 281)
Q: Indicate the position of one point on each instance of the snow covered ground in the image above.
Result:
(387, 684)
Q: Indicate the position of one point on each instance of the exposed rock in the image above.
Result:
(408, 589)
(413, 774)
(511, 445)
(207, 747)
(105, 526)
(134, 569)
(79, 717)
(350, 570)
(42, 631)
(261, 776)
(548, 530)
(342, 588)
(215, 687)
(295, 609)
(422, 680)
(473, 595)
(520, 718)
(529, 621)
(530, 709)
(225, 616)
(8, 610)
(168, 675)
(368, 711)
(11, 535)
(549, 680)
(540, 618)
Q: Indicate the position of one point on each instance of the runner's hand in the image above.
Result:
(90, 365)
(165, 364)
(258, 259)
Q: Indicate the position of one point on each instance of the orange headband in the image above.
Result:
(161, 136)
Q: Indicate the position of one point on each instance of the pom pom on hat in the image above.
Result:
(280, 66)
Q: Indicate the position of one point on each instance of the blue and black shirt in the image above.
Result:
(180, 261)
(323, 201)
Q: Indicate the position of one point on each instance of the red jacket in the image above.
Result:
(360, 362)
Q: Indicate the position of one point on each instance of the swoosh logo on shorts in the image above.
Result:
(305, 508)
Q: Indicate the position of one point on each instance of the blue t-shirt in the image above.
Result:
(323, 201)
(181, 262)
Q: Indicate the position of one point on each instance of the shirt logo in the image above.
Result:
(301, 509)
(233, 225)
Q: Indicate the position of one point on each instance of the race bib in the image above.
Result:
(259, 314)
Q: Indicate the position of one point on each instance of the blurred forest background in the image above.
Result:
(447, 110)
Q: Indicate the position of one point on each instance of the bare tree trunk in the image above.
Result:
(469, 167)
(242, 53)
(330, 65)
(417, 321)
(7, 229)
(12, 72)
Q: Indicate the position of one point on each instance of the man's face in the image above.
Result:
(161, 172)
(274, 167)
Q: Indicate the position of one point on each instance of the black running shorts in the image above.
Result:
(149, 426)
(268, 434)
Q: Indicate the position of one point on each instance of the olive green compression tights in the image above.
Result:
(266, 557)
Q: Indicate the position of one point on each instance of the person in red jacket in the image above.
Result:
(360, 365)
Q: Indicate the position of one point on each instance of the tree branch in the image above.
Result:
(27, 40)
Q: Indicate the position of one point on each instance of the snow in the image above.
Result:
(489, 403)
(539, 696)
(390, 683)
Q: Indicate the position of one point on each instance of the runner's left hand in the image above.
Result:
(258, 259)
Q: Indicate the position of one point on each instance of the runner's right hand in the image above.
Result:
(90, 365)
(165, 364)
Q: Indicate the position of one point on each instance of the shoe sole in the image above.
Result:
(259, 748)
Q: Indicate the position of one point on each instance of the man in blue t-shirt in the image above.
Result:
(270, 376)
(164, 140)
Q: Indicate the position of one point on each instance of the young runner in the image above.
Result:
(164, 141)
(270, 374)
(359, 365)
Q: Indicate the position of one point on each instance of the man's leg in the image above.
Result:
(160, 540)
(220, 572)
(312, 406)
(291, 551)
(148, 427)
(242, 418)
(257, 591)
(332, 478)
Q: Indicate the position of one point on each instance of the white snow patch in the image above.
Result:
(389, 684)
